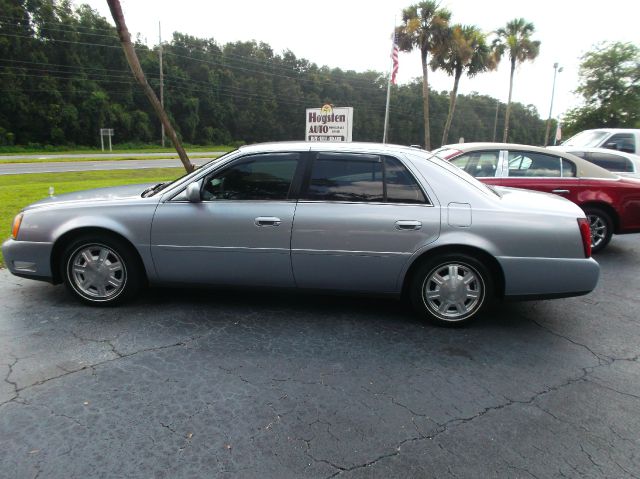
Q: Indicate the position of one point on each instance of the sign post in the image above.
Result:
(106, 132)
(329, 123)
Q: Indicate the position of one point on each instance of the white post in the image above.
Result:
(101, 139)
(110, 132)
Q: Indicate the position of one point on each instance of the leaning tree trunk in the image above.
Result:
(425, 101)
(134, 63)
(452, 106)
(508, 111)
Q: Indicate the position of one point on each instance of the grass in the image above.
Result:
(118, 158)
(18, 191)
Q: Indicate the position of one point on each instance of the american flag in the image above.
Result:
(394, 57)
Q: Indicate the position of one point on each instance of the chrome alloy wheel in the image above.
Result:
(97, 272)
(598, 229)
(453, 291)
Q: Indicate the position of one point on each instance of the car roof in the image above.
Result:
(584, 167)
(356, 147)
(615, 130)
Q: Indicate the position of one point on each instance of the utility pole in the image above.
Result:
(556, 70)
(161, 79)
(495, 121)
(134, 64)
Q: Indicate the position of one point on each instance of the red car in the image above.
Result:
(611, 203)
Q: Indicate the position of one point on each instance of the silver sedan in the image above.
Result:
(361, 218)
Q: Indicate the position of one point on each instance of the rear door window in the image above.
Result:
(349, 177)
(532, 164)
(362, 178)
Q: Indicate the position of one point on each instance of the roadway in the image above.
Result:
(65, 166)
(58, 156)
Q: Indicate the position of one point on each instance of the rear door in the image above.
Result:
(359, 219)
(542, 172)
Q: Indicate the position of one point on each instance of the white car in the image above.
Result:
(620, 139)
(619, 162)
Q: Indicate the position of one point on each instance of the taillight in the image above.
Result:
(16, 225)
(585, 232)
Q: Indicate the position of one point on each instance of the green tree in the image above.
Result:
(465, 51)
(424, 26)
(610, 87)
(515, 39)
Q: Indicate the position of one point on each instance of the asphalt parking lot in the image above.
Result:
(259, 384)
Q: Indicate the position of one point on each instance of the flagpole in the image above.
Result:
(386, 111)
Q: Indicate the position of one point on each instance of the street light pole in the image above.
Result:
(556, 70)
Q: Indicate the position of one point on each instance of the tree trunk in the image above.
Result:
(134, 63)
(452, 106)
(507, 113)
(425, 100)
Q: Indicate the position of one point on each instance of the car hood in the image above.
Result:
(537, 202)
(113, 193)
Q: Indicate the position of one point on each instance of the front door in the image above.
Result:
(239, 233)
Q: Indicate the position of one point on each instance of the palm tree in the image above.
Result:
(466, 50)
(515, 38)
(424, 26)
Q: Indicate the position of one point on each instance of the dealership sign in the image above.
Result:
(329, 123)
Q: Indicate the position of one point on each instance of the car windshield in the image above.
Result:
(161, 186)
(425, 155)
(586, 138)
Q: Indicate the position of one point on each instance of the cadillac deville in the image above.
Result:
(360, 218)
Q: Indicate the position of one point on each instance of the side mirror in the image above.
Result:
(611, 146)
(193, 192)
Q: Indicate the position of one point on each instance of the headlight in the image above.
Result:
(16, 225)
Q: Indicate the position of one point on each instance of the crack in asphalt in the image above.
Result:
(572, 341)
(16, 392)
(108, 342)
(91, 366)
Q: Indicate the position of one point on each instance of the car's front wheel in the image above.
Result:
(101, 271)
(601, 228)
(452, 289)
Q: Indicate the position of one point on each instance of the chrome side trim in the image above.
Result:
(350, 252)
(221, 248)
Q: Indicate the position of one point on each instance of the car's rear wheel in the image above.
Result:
(601, 228)
(452, 289)
(101, 271)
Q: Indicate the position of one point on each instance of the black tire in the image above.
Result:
(452, 306)
(601, 226)
(101, 270)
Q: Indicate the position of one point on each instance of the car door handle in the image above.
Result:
(268, 221)
(560, 192)
(408, 225)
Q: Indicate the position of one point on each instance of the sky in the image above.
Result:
(356, 35)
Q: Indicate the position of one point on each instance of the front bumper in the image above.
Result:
(539, 278)
(28, 259)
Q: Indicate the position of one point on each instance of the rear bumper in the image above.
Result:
(28, 259)
(540, 278)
